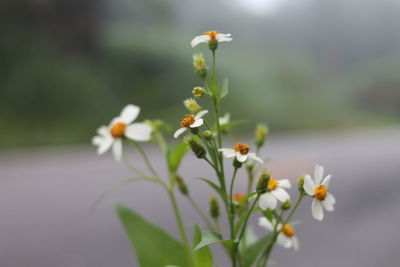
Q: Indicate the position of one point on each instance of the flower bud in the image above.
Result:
(250, 166)
(191, 105)
(260, 134)
(213, 45)
(199, 91)
(208, 135)
(237, 164)
(286, 205)
(262, 183)
(300, 184)
(200, 65)
(196, 147)
(182, 185)
(214, 208)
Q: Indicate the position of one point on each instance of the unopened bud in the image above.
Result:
(208, 135)
(261, 134)
(262, 183)
(199, 92)
(237, 164)
(191, 105)
(286, 205)
(200, 65)
(250, 166)
(300, 184)
(196, 147)
(182, 185)
(214, 208)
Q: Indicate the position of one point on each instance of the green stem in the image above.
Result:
(146, 159)
(201, 213)
(231, 190)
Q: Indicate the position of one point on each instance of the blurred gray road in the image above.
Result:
(46, 194)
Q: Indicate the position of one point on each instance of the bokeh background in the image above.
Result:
(324, 75)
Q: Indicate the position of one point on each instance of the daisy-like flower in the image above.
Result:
(119, 127)
(286, 237)
(318, 189)
(211, 37)
(240, 152)
(190, 121)
(275, 192)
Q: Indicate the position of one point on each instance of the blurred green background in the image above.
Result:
(67, 67)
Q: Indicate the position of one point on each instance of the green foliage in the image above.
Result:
(224, 88)
(175, 155)
(203, 256)
(217, 189)
(251, 253)
(208, 238)
(153, 246)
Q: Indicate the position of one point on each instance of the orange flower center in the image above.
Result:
(118, 129)
(288, 230)
(272, 184)
(212, 35)
(187, 121)
(242, 148)
(320, 192)
(237, 197)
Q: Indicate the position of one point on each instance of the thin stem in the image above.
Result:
(134, 169)
(247, 218)
(201, 213)
(231, 190)
(146, 159)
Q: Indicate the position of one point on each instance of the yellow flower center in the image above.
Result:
(212, 35)
(320, 192)
(118, 129)
(272, 184)
(288, 230)
(242, 148)
(187, 121)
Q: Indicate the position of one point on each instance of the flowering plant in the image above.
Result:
(267, 196)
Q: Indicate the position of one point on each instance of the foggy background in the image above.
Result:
(324, 75)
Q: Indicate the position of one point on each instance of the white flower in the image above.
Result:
(286, 237)
(119, 127)
(318, 189)
(211, 36)
(190, 121)
(225, 119)
(241, 152)
(275, 192)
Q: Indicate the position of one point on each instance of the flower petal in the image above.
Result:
(284, 183)
(105, 144)
(267, 201)
(318, 174)
(221, 37)
(309, 185)
(254, 157)
(327, 180)
(264, 222)
(240, 157)
(280, 194)
(225, 119)
(328, 202)
(104, 131)
(201, 114)
(117, 149)
(114, 121)
(199, 39)
(284, 241)
(139, 132)
(197, 123)
(129, 114)
(316, 209)
(227, 152)
(179, 132)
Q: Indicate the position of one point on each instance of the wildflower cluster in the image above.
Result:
(202, 132)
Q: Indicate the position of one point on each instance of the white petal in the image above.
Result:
(104, 131)
(201, 114)
(309, 185)
(263, 222)
(267, 201)
(316, 209)
(227, 152)
(331, 198)
(199, 39)
(221, 37)
(105, 145)
(225, 119)
(139, 132)
(284, 241)
(129, 113)
(240, 157)
(197, 123)
(327, 180)
(318, 174)
(280, 194)
(117, 149)
(328, 202)
(295, 243)
(179, 132)
(114, 121)
(254, 157)
(97, 140)
(284, 183)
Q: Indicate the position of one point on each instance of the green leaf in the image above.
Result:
(216, 188)
(224, 88)
(208, 238)
(226, 127)
(176, 155)
(153, 246)
(252, 252)
(203, 256)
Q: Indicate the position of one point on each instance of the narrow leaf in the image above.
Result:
(203, 256)
(224, 88)
(216, 188)
(208, 238)
(176, 155)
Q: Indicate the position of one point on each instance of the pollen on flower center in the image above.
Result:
(242, 148)
(212, 35)
(272, 184)
(321, 192)
(187, 121)
(118, 129)
(288, 230)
